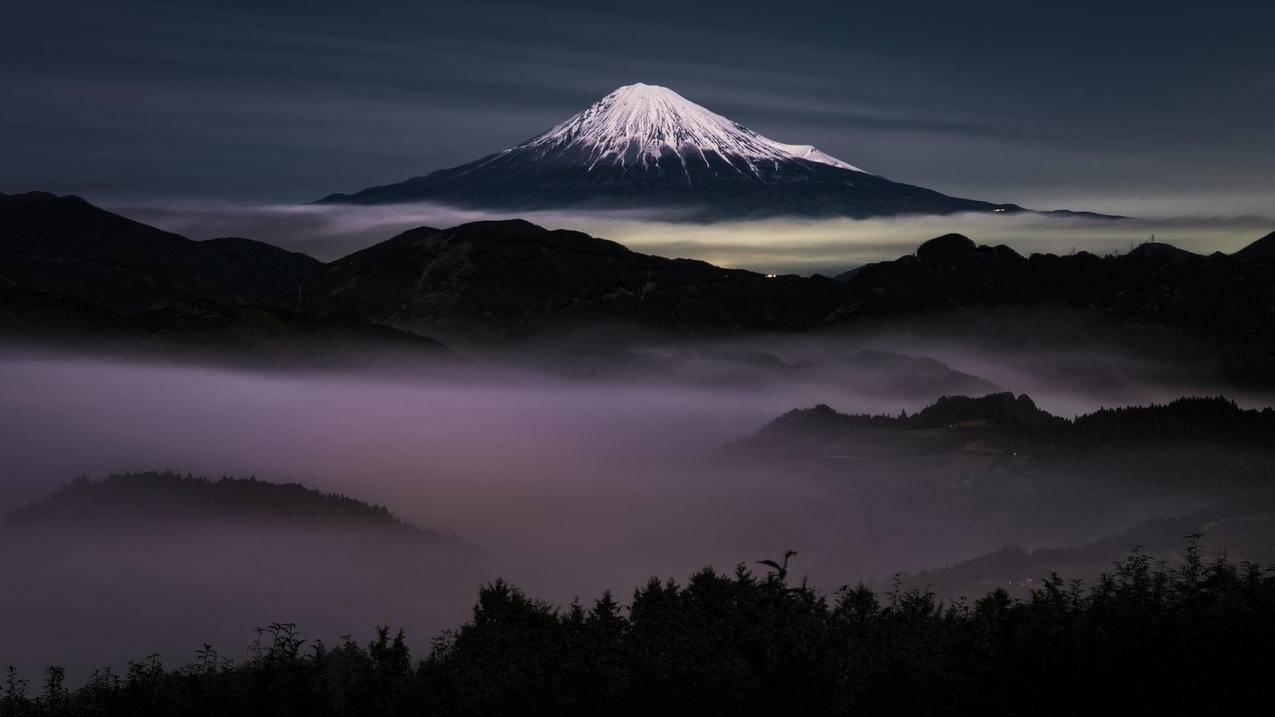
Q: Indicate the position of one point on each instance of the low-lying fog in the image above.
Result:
(564, 486)
(781, 245)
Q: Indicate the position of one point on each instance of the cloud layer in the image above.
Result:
(780, 245)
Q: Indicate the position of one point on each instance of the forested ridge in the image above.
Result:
(1188, 442)
(158, 496)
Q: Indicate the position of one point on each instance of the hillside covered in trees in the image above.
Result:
(165, 496)
(1187, 442)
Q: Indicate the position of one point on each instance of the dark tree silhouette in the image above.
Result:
(1146, 637)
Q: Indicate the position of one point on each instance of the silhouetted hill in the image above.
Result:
(64, 245)
(961, 416)
(515, 279)
(503, 282)
(1184, 419)
(1003, 410)
(73, 275)
(949, 247)
(1161, 249)
(260, 273)
(160, 497)
(1262, 248)
(1167, 304)
(1194, 443)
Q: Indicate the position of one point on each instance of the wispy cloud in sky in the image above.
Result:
(1046, 106)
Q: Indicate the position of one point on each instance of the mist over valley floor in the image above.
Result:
(564, 479)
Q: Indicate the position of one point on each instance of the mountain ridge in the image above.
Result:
(73, 275)
(505, 282)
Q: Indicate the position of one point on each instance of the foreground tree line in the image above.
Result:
(1147, 636)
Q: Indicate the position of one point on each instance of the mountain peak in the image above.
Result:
(643, 89)
(638, 124)
(646, 146)
(1161, 249)
(500, 226)
(945, 248)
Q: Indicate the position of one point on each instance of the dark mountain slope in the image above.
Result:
(1263, 248)
(257, 272)
(195, 329)
(76, 276)
(67, 246)
(514, 279)
(1152, 302)
(510, 281)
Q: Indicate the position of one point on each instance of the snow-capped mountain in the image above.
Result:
(646, 145)
(638, 124)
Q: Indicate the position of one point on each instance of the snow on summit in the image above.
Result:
(638, 123)
(645, 146)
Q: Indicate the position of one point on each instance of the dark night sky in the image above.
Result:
(1158, 106)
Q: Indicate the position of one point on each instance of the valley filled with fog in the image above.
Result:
(565, 474)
